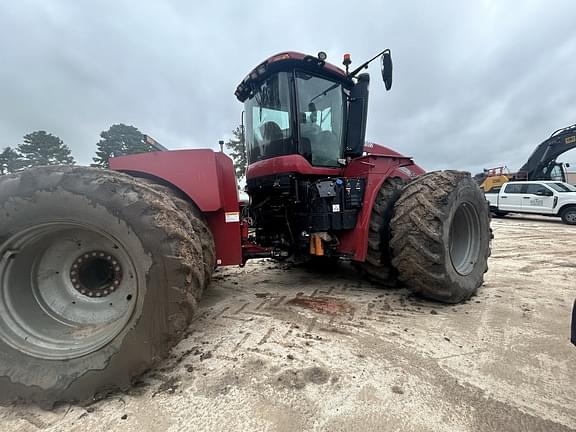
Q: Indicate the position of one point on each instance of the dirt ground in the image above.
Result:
(287, 349)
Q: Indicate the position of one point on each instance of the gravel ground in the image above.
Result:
(275, 348)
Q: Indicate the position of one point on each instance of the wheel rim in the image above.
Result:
(571, 217)
(465, 238)
(66, 290)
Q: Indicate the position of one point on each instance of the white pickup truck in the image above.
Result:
(549, 198)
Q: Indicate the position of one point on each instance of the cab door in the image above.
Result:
(538, 198)
(510, 198)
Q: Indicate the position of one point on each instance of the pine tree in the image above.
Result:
(119, 140)
(237, 147)
(10, 161)
(42, 148)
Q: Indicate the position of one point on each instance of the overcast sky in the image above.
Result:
(477, 83)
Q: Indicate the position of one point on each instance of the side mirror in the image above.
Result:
(387, 69)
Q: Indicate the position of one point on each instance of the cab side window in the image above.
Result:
(536, 189)
(514, 188)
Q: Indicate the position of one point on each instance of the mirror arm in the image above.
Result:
(364, 65)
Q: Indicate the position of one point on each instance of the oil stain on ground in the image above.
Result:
(326, 305)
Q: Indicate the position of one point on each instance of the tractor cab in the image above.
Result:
(297, 112)
(297, 104)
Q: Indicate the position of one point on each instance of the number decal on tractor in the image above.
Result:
(232, 217)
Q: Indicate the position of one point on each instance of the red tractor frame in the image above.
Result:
(101, 271)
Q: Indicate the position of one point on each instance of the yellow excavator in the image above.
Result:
(494, 178)
(541, 165)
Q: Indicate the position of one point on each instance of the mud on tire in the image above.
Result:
(441, 236)
(193, 213)
(378, 266)
(99, 278)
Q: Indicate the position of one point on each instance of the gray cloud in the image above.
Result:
(477, 84)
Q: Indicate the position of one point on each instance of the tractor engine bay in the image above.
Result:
(302, 215)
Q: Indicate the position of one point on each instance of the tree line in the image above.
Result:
(37, 148)
(42, 148)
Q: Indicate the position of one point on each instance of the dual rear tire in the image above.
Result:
(435, 235)
(100, 275)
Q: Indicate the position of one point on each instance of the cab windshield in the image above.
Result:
(319, 112)
(268, 130)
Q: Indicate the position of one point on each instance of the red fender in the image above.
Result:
(207, 178)
(375, 168)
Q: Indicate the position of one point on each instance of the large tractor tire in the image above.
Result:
(378, 264)
(441, 236)
(99, 278)
(196, 219)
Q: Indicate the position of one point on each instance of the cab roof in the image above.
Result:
(285, 61)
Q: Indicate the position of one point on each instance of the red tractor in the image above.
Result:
(102, 270)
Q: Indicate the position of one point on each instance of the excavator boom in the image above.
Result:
(540, 164)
